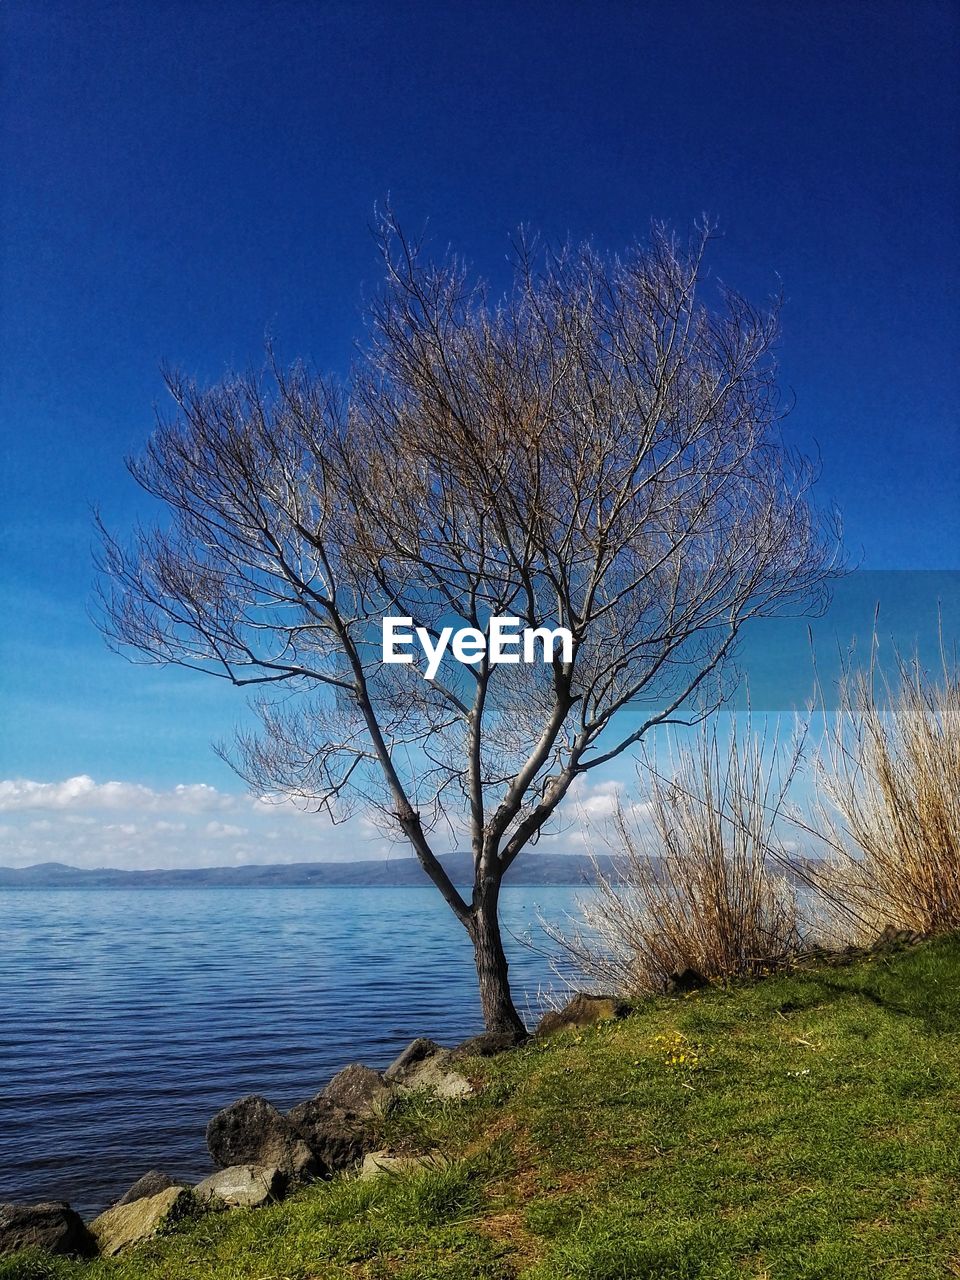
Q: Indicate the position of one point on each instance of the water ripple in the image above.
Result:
(128, 1017)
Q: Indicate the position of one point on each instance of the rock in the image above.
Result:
(437, 1076)
(681, 984)
(125, 1225)
(381, 1162)
(425, 1065)
(893, 939)
(582, 1011)
(490, 1043)
(357, 1088)
(338, 1138)
(415, 1053)
(249, 1185)
(151, 1184)
(52, 1226)
(252, 1131)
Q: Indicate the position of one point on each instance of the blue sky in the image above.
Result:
(183, 178)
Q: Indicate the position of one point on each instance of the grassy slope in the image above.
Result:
(806, 1128)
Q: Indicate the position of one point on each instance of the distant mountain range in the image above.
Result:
(532, 869)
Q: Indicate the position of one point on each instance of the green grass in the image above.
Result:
(803, 1128)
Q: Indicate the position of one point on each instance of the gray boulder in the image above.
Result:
(338, 1138)
(426, 1065)
(52, 1226)
(437, 1076)
(416, 1052)
(247, 1185)
(357, 1088)
(151, 1184)
(125, 1225)
(253, 1131)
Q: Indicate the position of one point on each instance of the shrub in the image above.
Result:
(700, 877)
(889, 786)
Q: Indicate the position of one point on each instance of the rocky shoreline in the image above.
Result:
(262, 1154)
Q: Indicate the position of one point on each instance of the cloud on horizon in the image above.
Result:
(126, 824)
(82, 793)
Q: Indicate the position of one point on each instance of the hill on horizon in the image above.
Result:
(537, 869)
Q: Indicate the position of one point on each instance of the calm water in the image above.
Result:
(128, 1017)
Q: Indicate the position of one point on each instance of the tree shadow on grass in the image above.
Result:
(921, 983)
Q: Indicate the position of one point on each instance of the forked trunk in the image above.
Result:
(499, 1014)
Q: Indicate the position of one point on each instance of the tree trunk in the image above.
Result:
(499, 1014)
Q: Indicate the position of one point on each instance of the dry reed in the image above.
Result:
(889, 809)
(700, 881)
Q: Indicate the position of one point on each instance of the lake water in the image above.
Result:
(128, 1017)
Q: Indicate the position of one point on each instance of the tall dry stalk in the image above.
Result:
(700, 882)
(889, 786)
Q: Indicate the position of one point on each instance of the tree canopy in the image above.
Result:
(599, 450)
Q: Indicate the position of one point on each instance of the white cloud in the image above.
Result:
(200, 798)
(82, 793)
(585, 823)
(598, 799)
(223, 830)
(87, 823)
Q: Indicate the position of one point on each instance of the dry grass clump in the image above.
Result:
(700, 881)
(705, 880)
(889, 785)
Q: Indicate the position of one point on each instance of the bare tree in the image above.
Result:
(598, 450)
